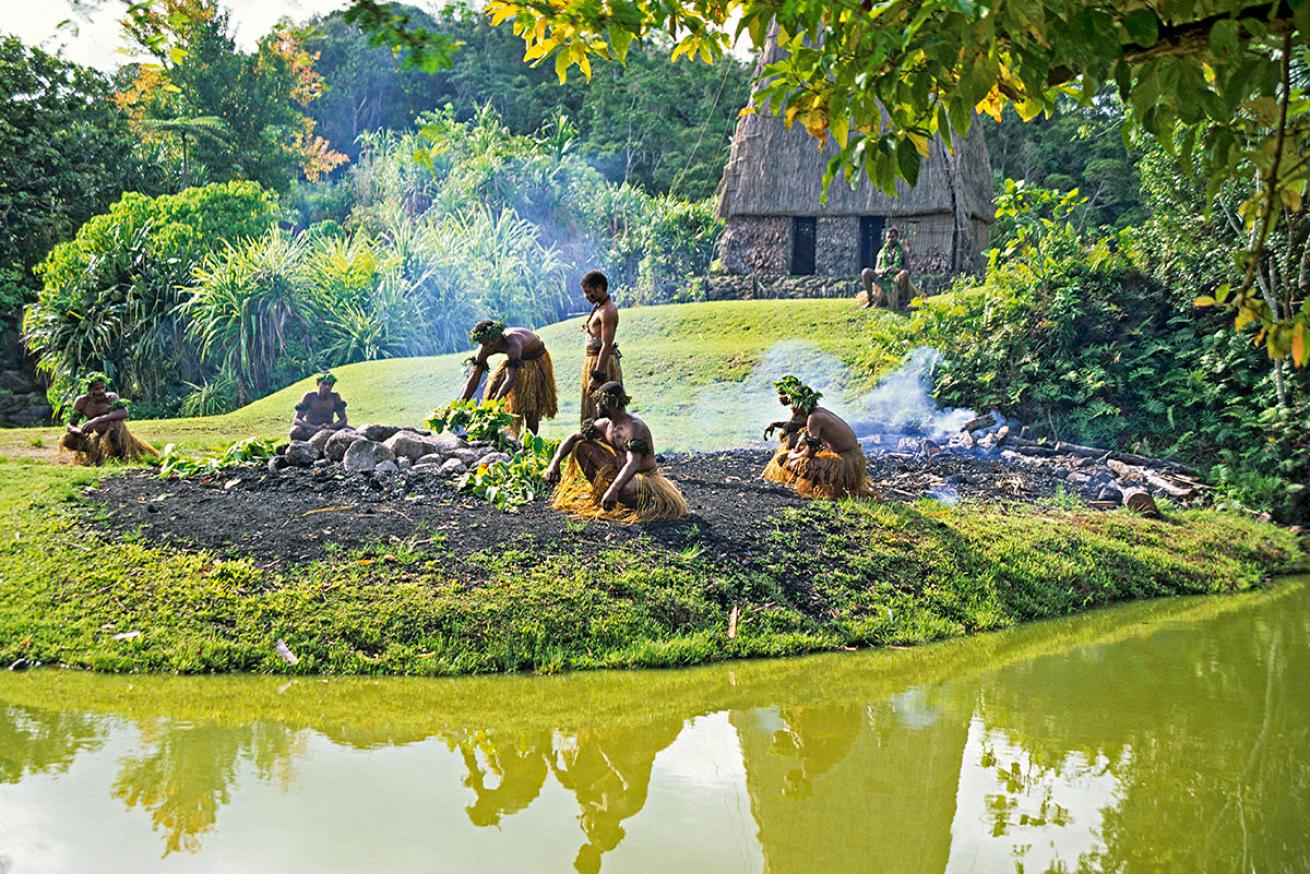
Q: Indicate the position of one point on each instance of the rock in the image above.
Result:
(404, 463)
(407, 444)
(492, 458)
(301, 454)
(18, 382)
(339, 442)
(452, 467)
(446, 443)
(433, 460)
(379, 433)
(320, 440)
(323, 462)
(467, 456)
(276, 463)
(1110, 493)
(386, 468)
(364, 455)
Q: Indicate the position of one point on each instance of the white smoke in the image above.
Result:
(901, 404)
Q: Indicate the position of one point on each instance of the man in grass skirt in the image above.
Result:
(525, 380)
(611, 472)
(825, 459)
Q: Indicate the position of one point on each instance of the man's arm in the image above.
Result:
(115, 414)
(340, 410)
(479, 368)
(552, 470)
(631, 462)
(514, 351)
(609, 323)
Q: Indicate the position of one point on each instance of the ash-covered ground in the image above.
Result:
(296, 514)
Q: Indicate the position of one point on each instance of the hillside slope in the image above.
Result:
(679, 361)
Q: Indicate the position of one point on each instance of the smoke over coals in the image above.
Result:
(900, 406)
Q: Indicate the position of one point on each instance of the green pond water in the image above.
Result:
(1167, 736)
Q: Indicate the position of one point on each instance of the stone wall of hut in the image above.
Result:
(763, 244)
(22, 392)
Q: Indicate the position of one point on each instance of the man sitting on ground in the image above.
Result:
(890, 275)
(611, 471)
(827, 461)
(319, 410)
(525, 380)
(97, 430)
(776, 470)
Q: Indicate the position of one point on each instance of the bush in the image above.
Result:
(109, 297)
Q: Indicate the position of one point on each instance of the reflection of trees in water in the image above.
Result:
(853, 785)
(38, 741)
(184, 774)
(1206, 734)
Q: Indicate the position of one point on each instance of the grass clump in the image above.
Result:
(849, 574)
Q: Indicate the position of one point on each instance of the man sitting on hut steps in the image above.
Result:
(611, 471)
(827, 461)
(97, 430)
(525, 380)
(601, 361)
(891, 275)
(319, 410)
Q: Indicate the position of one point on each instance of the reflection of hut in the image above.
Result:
(776, 224)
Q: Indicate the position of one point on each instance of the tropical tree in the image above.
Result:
(68, 153)
(109, 296)
(208, 127)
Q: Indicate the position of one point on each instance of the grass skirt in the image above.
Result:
(613, 373)
(658, 499)
(533, 391)
(829, 475)
(115, 443)
(776, 471)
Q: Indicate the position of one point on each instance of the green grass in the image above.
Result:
(677, 359)
(887, 574)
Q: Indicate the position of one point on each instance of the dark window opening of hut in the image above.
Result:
(803, 239)
(870, 239)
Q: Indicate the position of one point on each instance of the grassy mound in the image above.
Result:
(671, 354)
(887, 574)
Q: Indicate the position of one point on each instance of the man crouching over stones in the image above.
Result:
(789, 435)
(611, 471)
(319, 410)
(97, 430)
(826, 460)
(525, 380)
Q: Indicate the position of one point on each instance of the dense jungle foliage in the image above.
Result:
(1089, 333)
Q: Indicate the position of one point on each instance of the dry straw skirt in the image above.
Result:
(776, 471)
(658, 499)
(829, 475)
(613, 373)
(115, 443)
(533, 391)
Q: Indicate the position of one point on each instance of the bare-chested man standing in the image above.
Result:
(319, 410)
(601, 364)
(827, 461)
(525, 380)
(611, 471)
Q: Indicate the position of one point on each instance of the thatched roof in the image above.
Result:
(775, 171)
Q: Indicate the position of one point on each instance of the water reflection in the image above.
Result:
(1166, 735)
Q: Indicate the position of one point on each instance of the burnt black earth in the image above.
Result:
(298, 514)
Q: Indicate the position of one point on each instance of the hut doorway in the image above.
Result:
(804, 237)
(870, 239)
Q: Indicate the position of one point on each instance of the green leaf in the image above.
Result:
(1142, 27)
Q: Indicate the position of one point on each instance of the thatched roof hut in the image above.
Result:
(770, 199)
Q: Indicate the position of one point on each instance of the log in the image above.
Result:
(986, 420)
(1170, 489)
(1002, 434)
(1140, 501)
(1124, 471)
(1028, 447)
(1125, 457)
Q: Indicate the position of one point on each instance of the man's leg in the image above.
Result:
(868, 278)
(298, 433)
(532, 421)
(902, 290)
